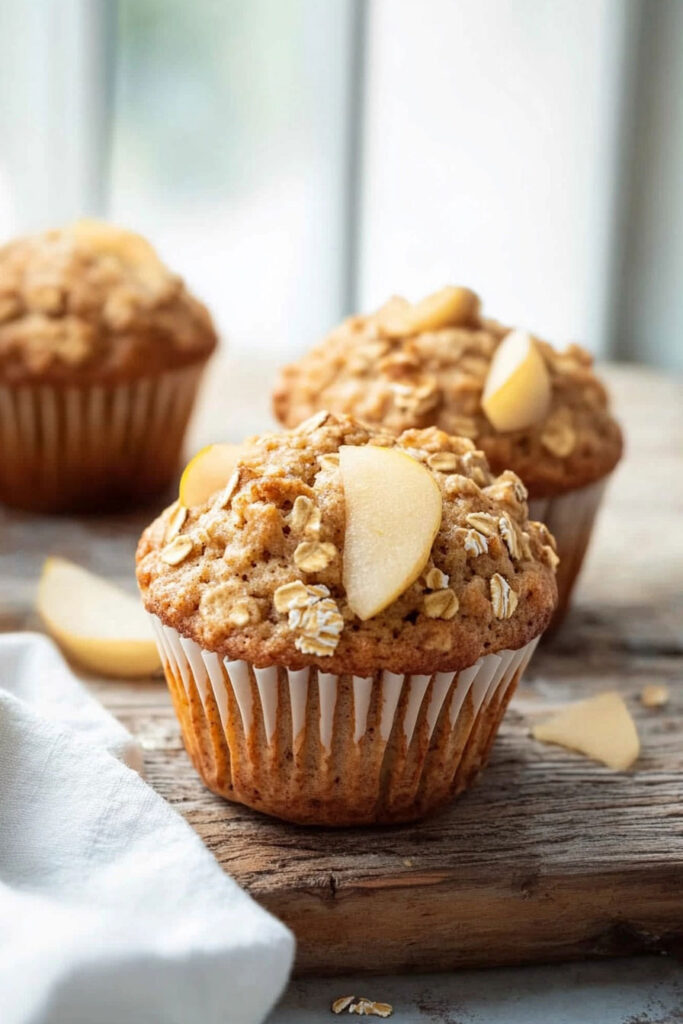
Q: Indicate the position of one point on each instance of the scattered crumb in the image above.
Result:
(407, 862)
(361, 1006)
(368, 1008)
(656, 695)
(339, 1005)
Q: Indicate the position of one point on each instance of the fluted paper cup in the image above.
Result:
(94, 447)
(316, 748)
(570, 518)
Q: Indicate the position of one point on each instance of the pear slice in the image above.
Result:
(103, 628)
(129, 248)
(446, 308)
(208, 471)
(518, 391)
(393, 514)
(600, 727)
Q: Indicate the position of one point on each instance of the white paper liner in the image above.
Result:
(570, 518)
(404, 701)
(62, 445)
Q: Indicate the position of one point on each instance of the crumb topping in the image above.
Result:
(91, 301)
(258, 574)
(434, 375)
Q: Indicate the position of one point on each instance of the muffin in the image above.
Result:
(343, 623)
(101, 353)
(433, 364)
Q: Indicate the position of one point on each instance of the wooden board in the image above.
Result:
(550, 856)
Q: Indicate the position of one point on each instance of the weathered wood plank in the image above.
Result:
(549, 856)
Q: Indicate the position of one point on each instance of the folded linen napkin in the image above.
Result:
(111, 908)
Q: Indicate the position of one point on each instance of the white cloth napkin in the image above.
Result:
(111, 908)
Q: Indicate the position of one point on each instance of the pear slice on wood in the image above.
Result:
(600, 727)
(100, 626)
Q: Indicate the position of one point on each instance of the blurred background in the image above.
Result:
(298, 159)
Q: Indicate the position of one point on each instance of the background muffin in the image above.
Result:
(310, 680)
(428, 364)
(101, 352)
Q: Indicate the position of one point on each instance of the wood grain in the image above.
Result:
(550, 856)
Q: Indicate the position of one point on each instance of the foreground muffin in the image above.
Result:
(541, 413)
(101, 352)
(343, 623)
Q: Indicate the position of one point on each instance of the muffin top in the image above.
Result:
(93, 303)
(265, 569)
(427, 365)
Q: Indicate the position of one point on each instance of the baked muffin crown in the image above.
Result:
(94, 303)
(256, 572)
(404, 370)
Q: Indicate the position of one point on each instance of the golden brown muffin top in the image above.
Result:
(93, 303)
(372, 369)
(255, 572)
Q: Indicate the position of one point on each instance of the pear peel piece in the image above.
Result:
(208, 471)
(100, 626)
(393, 513)
(518, 390)
(600, 727)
